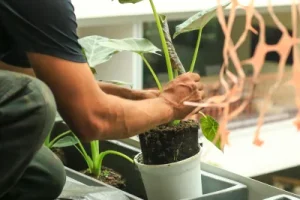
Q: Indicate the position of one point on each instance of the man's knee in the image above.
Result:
(26, 104)
(27, 114)
(29, 106)
(43, 104)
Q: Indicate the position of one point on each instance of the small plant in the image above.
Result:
(94, 162)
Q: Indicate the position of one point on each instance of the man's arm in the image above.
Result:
(49, 40)
(94, 115)
(108, 88)
(127, 93)
(91, 113)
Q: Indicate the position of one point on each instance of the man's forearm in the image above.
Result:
(125, 118)
(108, 88)
(127, 93)
(116, 90)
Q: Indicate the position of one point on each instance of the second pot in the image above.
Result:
(174, 181)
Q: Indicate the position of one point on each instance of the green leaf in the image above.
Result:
(92, 68)
(94, 52)
(136, 45)
(199, 20)
(209, 127)
(100, 49)
(176, 63)
(66, 142)
(129, 1)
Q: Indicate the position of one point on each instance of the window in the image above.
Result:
(209, 57)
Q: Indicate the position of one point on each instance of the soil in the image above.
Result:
(170, 143)
(60, 154)
(109, 176)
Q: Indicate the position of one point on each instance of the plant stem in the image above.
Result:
(57, 138)
(82, 149)
(95, 151)
(85, 155)
(152, 72)
(103, 154)
(163, 41)
(175, 73)
(202, 114)
(196, 51)
(47, 140)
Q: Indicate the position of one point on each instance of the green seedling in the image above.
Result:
(94, 162)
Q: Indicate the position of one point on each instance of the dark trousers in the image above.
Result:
(28, 170)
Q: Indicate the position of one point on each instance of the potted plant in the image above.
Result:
(95, 166)
(170, 157)
(94, 161)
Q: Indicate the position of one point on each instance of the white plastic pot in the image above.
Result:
(174, 181)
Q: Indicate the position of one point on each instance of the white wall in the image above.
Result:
(124, 66)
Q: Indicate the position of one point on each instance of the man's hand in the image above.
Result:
(186, 87)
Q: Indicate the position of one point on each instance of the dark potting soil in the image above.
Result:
(108, 176)
(170, 143)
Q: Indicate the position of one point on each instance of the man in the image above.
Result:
(38, 38)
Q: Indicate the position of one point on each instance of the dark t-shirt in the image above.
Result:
(40, 26)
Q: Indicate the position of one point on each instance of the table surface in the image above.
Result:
(281, 149)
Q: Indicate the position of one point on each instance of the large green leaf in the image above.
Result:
(176, 63)
(129, 1)
(199, 20)
(209, 127)
(94, 52)
(66, 142)
(137, 45)
(100, 49)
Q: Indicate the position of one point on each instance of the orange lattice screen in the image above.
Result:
(234, 83)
